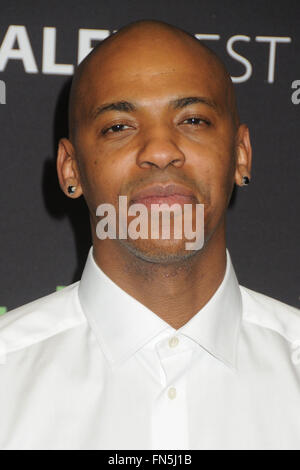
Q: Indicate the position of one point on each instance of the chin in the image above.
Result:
(159, 251)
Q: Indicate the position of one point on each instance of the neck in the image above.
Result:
(175, 291)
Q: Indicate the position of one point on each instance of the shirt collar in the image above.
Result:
(123, 325)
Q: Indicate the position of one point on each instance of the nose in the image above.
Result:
(159, 149)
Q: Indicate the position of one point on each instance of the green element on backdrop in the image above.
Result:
(60, 287)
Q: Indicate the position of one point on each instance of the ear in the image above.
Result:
(243, 155)
(67, 168)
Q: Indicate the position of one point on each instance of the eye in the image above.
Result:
(196, 121)
(115, 128)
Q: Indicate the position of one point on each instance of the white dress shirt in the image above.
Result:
(90, 367)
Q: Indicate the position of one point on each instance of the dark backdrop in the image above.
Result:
(44, 235)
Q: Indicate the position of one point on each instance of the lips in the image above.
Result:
(159, 194)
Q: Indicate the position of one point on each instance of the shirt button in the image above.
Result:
(172, 393)
(173, 342)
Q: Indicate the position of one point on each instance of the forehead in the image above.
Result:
(151, 75)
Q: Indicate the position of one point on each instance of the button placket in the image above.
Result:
(169, 421)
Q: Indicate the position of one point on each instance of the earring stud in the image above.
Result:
(246, 181)
(71, 189)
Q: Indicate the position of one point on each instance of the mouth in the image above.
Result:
(164, 194)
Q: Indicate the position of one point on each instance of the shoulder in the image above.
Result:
(40, 319)
(266, 312)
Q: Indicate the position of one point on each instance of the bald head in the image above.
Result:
(144, 38)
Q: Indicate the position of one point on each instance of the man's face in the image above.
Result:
(120, 151)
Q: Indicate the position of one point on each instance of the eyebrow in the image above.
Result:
(182, 102)
(128, 107)
(118, 106)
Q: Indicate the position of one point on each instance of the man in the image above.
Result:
(157, 346)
